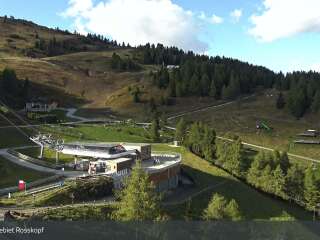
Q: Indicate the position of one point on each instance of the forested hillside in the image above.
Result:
(226, 78)
(20, 37)
(96, 69)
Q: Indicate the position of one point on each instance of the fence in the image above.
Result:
(33, 160)
(30, 185)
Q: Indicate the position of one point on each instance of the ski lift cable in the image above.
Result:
(17, 116)
(12, 123)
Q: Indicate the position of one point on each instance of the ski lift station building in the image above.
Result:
(112, 158)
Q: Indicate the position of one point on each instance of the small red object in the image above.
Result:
(22, 185)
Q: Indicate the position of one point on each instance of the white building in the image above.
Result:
(40, 107)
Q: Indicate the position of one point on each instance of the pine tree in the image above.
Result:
(152, 105)
(9, 81)
(179, 89)
(219, 208)
(266, 182)
(155, 135)
(280, 101)
(213, 90)
(136, 95)
(284, 162)
(222, 153)
(294, 183)
(237, 159)
(233, 90)
(297, 102)
(209, 140)
(234, 160)
(115, 62)
(25, 89)
(172, 87)
(311, 188)
(234, 86)
(205, 85)
(181, 130)
(216, 208)
(138, 200)
(194, 87)
(315, 107)
(259, 163)
(279, 182)
(225, 92)
(232, 211)
(194, 138)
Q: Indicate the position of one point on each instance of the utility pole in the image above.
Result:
(315, 208)
(57, 158)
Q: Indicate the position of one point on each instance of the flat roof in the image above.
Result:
(106, 144)
(160, 162)
(136, 144)
(92, 144)
(117, 160)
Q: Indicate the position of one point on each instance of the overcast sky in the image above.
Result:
(279, 34)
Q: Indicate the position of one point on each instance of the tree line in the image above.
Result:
(219, 78)
(13, 91)
(55, 47)
(201, 75)
(196, 75)
(119, 64)
(270, 172)
(139, 201)
(302, 92)
(227, 78)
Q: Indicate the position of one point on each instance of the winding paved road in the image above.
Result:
(69, 174)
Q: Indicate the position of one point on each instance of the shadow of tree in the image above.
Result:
(253, 204)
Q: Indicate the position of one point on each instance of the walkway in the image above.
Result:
(69, 174)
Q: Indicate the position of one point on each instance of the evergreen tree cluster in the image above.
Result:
(226, 78)
(219, 208)
(92, 37)
(303, 92)
(230, 156)
(135, 93)
(13, 91)
(55, 47)
(138, 200)
(119, 64)
(269, 172)
(154, 131)
(221, 78)
(272, 173)
(160, 54)
(200, 140)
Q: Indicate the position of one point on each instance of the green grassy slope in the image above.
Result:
(241, 117)
(11, 173)
(253, 204)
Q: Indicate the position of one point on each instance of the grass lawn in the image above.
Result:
(11, 173)
(48, 155)
(21, 199)
(116, 133)
(99, 133)
(11, 137)
(253, 205)
(61, 115)
(240, 118)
